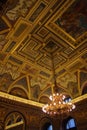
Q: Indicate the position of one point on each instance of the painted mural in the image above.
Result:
(30, 69)
(18, 91)
(3, 25)
(37, 85)
(69, 81)
(63, 81)
(73, 89)
(5, 82)
(35, 91)
(19, 8)
(22, 82)
(74, 20)
(3, 41)
(83, 78)
(10, 69)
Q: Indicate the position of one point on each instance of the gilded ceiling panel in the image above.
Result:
(43, 32)
(10, 46)
(32, 33)
(15, 60)
(77, 65)
(29, 69)
(37, 12)
(84, 56)
(45, 61)
(30, 50)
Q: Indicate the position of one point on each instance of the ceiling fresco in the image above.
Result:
(74, 19)
(32, 34)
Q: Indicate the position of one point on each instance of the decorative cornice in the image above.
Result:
(6, 97)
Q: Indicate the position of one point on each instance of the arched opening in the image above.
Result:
(14, 121)
(69, 124)
(47, 126)
(68, 99)
(84, 90)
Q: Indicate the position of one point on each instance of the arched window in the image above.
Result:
(47, 126)
(69, 124)
(84, 91)
(14, 121)
(50, 127)
(68, 99)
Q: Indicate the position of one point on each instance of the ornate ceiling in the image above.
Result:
(31, 32)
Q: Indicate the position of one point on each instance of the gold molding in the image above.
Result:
(29, 102)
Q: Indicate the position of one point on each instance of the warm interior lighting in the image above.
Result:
(57, 104)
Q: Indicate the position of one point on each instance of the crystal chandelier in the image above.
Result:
(58, 104)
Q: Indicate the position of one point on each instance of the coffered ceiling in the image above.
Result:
(32, 34)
